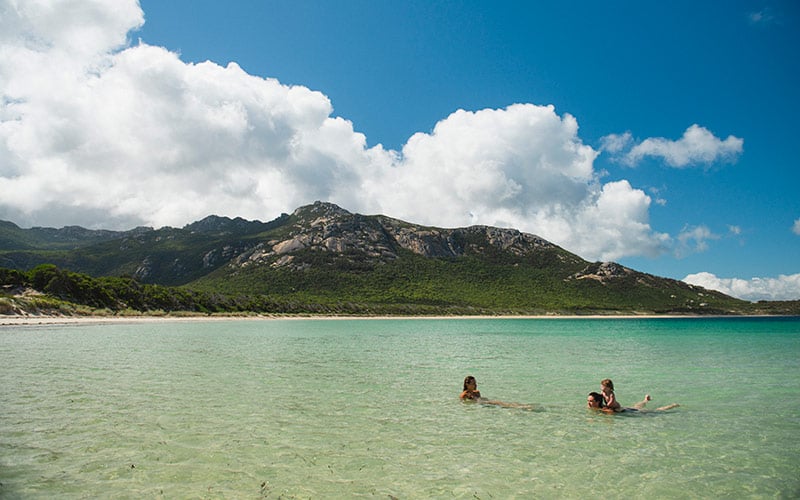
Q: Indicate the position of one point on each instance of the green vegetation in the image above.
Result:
(511, 285)
(51, 290)
(427, 287)
(166, 256)
(324, 260)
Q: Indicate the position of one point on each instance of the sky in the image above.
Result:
(659, 135)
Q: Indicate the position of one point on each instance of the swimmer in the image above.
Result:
(594, 401)
(471, 392)
(470, 389)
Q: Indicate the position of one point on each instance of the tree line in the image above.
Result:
(118, 294)
(126, 293)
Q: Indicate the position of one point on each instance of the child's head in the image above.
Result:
(606, 383)
(470, 381)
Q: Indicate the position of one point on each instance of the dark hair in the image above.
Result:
(597, 397)
(467, 380)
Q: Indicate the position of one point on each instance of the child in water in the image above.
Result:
(609, 399)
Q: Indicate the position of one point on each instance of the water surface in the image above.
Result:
(369, 408)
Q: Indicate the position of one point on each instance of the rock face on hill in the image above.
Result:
(328, 228)
(214, 224)
(296, 241)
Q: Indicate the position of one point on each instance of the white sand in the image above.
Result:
(8, 320)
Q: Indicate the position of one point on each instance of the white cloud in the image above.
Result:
(796, 227)
(698, 146)
(656, 192)
(695, 239)
(614, 143)
(99, 133)
(525, 167)
(142, 137)
(755, 289)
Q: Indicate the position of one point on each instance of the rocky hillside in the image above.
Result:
(322, 254)
(324, 227)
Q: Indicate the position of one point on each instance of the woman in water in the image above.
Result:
(471, 392)
(594, 401)
(470, 389)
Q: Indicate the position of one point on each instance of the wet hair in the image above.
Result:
(606, 382)
(469, 379)
(597, 398)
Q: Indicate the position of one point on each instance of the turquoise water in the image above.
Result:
(369, 408)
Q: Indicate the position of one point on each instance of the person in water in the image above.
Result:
(471, 392)
(609, 399)
(470, 389)
(594, 401)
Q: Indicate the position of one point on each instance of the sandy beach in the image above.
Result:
(8, 320)
(68, 320)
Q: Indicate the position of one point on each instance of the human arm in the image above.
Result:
(467, 394)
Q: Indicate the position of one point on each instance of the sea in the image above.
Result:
(369, 408)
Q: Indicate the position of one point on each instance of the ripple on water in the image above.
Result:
(369, 408)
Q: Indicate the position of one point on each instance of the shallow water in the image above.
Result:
(369, 408)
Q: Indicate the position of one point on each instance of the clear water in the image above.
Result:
(369, 408)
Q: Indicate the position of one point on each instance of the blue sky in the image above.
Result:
(658, 135)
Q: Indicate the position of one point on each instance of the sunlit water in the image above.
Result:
(369, 408)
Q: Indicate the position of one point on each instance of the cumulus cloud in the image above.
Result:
(142, 137)
(100, 132)
(796, 227)
(525, 167)
(755, 289)
(697, 147)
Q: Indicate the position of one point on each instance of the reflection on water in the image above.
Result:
(299, 409)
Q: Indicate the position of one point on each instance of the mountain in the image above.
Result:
(12, 237)
(167, 256)
(324, 255)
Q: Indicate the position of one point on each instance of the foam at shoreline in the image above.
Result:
(67, 320)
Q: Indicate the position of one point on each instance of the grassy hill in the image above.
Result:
(323, 259)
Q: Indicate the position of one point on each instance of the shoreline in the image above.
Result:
(18, 320)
